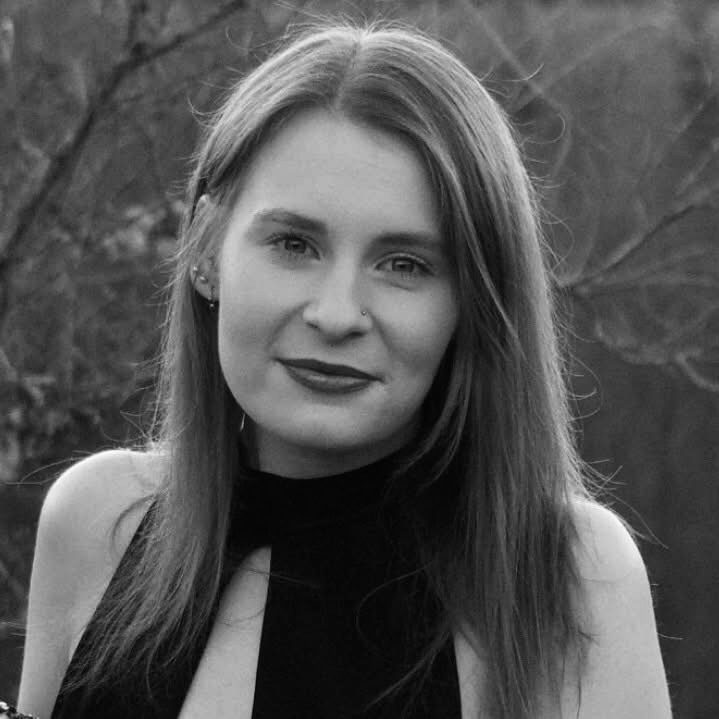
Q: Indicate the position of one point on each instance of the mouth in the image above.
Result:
(336, 370)
(327, 378)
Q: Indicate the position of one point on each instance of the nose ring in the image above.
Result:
(364, 313)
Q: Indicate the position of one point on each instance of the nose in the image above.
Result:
(336, 308)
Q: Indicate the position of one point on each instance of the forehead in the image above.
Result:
(343, 171)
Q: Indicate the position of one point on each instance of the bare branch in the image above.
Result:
(703, 197)
(676, 280)
(700, 380)
(676, 134)
(538, 90)
(691, 177)
(138, 8)
(660, 272)
(686, 330)
(65, 159)
(142, 55)
(643, 355)
(541, 89)
(666, 351)
(582, 252)
(167, 93)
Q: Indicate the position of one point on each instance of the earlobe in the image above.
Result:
(201, 280)
(204, 279)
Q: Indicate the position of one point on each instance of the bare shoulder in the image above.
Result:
(88, 498)
(79, 544)
(605, 549)
(624, 674)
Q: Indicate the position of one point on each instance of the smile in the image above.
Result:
(329, 378)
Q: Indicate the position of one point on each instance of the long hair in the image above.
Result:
(499, 558)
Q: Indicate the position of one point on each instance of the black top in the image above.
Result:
(348, 612)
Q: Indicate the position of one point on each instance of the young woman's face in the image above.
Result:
(336, 296)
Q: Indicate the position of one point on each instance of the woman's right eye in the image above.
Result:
(293, 246)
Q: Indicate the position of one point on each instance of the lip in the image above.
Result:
(325, 368)
(328, 384)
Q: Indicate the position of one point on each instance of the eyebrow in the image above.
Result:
(279, 215)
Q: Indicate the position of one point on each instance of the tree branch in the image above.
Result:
(662, 272)
(691, 177)
(682, 362)
(142, 54)
(541, 89)
(65, 159)
(701, 198)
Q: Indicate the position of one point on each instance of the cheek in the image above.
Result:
(248, 317)
(422, 338)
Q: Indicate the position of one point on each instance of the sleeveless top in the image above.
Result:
(348, 611)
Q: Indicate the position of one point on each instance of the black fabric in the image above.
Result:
(348, 611)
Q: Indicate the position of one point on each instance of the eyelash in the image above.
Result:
(422, 267)
(280, 242)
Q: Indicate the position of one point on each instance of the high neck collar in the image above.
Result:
(277, 506)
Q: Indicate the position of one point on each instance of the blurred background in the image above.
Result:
(100, 106)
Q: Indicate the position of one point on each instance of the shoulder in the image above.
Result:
(604, 547)
(91, 512)
(87, 499)
(624, 674)
(87, 520)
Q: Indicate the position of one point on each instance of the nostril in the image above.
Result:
(336, 312)
(336, 317)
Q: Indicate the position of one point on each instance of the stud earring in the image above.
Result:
(195, 275)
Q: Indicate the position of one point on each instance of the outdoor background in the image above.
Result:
(100, 106)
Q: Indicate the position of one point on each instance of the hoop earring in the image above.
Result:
(242, 421)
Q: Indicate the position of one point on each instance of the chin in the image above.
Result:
(335, 438)
(330, 431)
(331, 439)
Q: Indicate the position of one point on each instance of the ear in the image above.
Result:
(204, 275)
(204, 278)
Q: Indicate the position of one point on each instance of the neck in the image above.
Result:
(271, 454)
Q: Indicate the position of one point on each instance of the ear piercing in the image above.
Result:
(195, 272)
(200, 278)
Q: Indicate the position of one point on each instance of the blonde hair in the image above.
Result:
(498, 556)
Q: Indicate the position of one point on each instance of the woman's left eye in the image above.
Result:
(406, 266)
(295, 245)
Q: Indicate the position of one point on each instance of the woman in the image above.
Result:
(363, 499)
